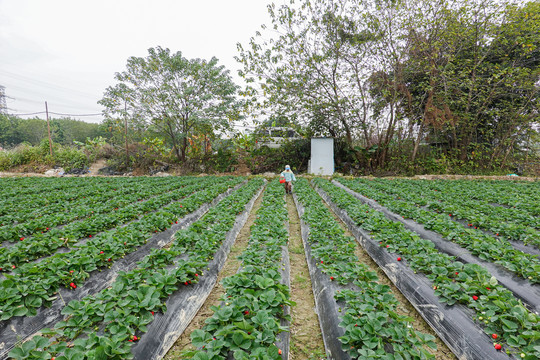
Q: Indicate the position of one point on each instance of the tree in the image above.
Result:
(385, 74)
(471, 74)
(318, 68)
(173, 95)
(32, 130)
(9, 135)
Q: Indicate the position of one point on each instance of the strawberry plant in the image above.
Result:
(247, 322)
(123, 311)
(44, 244)
(371, 323)
(508, 222)
(482, 245)
(496, 309)
(44, 278)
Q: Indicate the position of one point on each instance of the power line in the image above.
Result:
(98, 114)
(36, 113)
(45, 84)
(54, 113)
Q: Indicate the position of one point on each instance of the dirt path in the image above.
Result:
(231, 266)
(94, 168)
(306, 338)
(405, 307)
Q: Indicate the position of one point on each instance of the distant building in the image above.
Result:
(274, 137)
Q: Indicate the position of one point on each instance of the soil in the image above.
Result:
(405, 308)
(230, 268)
(39, 170)
(94, 168)
(469, 177)
(306, 339)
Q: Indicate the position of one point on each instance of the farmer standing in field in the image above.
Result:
(288, 176)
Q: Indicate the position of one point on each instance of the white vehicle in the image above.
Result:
(274, 137)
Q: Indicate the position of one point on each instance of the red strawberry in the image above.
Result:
(135, 338)
(398, 259)
(73, 285)
(246, 312)
(180, 205)
(101, 252)
(498, 346)
(13, 266)
(89, 235)
(196, 274)
(494, 336)
(387, 246)
(475, 297)
(185, 283)
(71, 271)
(457, 273)
(488, 288)
(331, 278)
(109, 259)
(279, 351)
(152, 312)
(449, 214)
(322, 262)
(22, 239)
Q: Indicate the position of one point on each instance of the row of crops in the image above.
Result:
(116, 268)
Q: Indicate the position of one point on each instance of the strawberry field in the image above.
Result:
(118, 268)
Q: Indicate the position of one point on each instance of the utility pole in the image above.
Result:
(48, 127)
(125, 125)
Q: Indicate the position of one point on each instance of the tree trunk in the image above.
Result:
(173, 139)
(417, 142)
(184, 148)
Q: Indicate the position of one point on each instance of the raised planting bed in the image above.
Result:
(481, 245)
(252, 320)
(357, 314)
(105, 309)
(476, 316)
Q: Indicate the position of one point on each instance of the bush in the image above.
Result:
(295, 153)
(24, 154)
(69, 158)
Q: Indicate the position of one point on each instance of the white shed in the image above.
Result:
(322, 156)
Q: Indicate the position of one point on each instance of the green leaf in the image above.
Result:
(20, 311)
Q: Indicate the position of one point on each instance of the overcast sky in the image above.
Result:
(66, 52)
